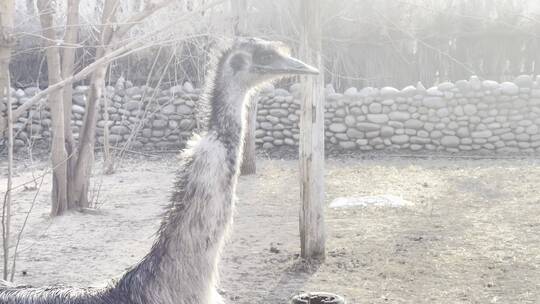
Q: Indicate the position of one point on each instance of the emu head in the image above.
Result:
(252, 61)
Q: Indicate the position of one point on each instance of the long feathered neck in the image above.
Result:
(182, 265)
(226, 99)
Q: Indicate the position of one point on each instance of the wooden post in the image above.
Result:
(312, 228)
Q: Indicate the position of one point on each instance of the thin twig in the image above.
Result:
(13, 265)
(6, 208)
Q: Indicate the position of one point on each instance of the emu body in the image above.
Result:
(181, 267)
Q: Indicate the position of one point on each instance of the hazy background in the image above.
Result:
(365, 42)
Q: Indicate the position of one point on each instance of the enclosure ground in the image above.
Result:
(472, 234)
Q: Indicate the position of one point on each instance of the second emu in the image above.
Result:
(181, 267)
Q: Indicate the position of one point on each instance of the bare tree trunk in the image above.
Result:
(68, 63)
(85, 159)
(87, 138)
(6, 43)
(56, 105)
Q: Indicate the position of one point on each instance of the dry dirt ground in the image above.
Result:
(472, 234)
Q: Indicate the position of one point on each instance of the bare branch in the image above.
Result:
(149, 10)
(103, 60)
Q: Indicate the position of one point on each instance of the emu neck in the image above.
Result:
(227, 113)
(182, 265)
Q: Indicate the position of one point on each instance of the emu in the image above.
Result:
(181, 267)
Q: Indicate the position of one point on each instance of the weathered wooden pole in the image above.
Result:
(312, 228)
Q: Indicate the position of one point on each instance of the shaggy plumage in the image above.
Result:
(181, 267)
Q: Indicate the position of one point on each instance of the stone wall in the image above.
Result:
(469, 115)
(144, 117)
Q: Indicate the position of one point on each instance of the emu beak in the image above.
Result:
(288, 65)
(295, 66)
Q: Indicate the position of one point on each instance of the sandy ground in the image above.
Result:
(472, 234)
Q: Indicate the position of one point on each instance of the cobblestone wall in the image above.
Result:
(468, 115)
